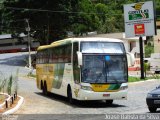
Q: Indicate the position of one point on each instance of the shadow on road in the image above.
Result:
(80, 104)
(16, 59)
(158, 111)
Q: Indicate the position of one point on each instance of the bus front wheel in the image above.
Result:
(109, 102)
(45, 88)
(152, 109)
(41, 85)
(69, 95)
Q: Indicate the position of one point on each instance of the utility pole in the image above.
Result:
(29, 44)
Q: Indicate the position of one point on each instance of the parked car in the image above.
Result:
(155, 62)
(153, 99)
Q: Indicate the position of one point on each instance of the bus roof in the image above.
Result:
(70, 40)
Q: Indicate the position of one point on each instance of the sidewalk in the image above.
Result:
(138, 73)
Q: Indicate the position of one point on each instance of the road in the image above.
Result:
(36, 103)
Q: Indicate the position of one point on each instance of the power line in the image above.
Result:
(42, 10)
(20, 28)
(18, 20)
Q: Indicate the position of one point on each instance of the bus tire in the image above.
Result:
(69, 95)
(152, 109)
(45, 88)
(41, 85)
(109, 102)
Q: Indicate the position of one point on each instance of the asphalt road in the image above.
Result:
(36, 103)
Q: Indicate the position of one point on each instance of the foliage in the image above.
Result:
(9, 85)
(146, 66)
(148, 50)
(50, 20)
(149, 47)
(2, 82)
(133, 79)
(59, 17)
(137, 79)
(85, 20)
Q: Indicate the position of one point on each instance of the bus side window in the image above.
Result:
(37, 58)
(68, 53)
(76, 70)
(50, 55)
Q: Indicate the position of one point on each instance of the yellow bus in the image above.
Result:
(83, 69)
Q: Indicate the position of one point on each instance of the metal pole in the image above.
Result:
(141, 56)
(29, 44)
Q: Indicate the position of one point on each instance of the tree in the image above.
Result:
(101, 10)
(48, 24)
(86, 19)
(50, 19)
(111, 19)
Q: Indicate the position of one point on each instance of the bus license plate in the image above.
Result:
(156, 101)
(106, 95)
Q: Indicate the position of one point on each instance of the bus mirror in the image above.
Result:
(79, 55)
(131, 59)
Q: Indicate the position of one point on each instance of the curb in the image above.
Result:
(15, 108)
(6, 99)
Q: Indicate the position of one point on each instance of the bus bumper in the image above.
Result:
(91, 95)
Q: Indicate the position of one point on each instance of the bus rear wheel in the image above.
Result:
(69, 95)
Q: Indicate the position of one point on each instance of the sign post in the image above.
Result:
(140, 21)
(141, 57)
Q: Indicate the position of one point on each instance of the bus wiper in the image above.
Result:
(98, 77)
(116, 81)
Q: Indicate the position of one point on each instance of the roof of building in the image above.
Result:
(8, 36)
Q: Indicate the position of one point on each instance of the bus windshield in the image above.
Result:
(104, 69)
(102, 47)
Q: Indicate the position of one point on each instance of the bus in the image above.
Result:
(83, 69)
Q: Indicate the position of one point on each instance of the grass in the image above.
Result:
(133, 79)
(9, 84)
(136, 79)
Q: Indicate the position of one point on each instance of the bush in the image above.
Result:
(9, 85)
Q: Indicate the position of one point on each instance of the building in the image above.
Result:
(10, 44)
(157, 39)
(131, 44)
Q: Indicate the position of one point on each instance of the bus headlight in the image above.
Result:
(123, 87)
(86, 88)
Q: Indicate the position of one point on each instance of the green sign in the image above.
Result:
(138, 16)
